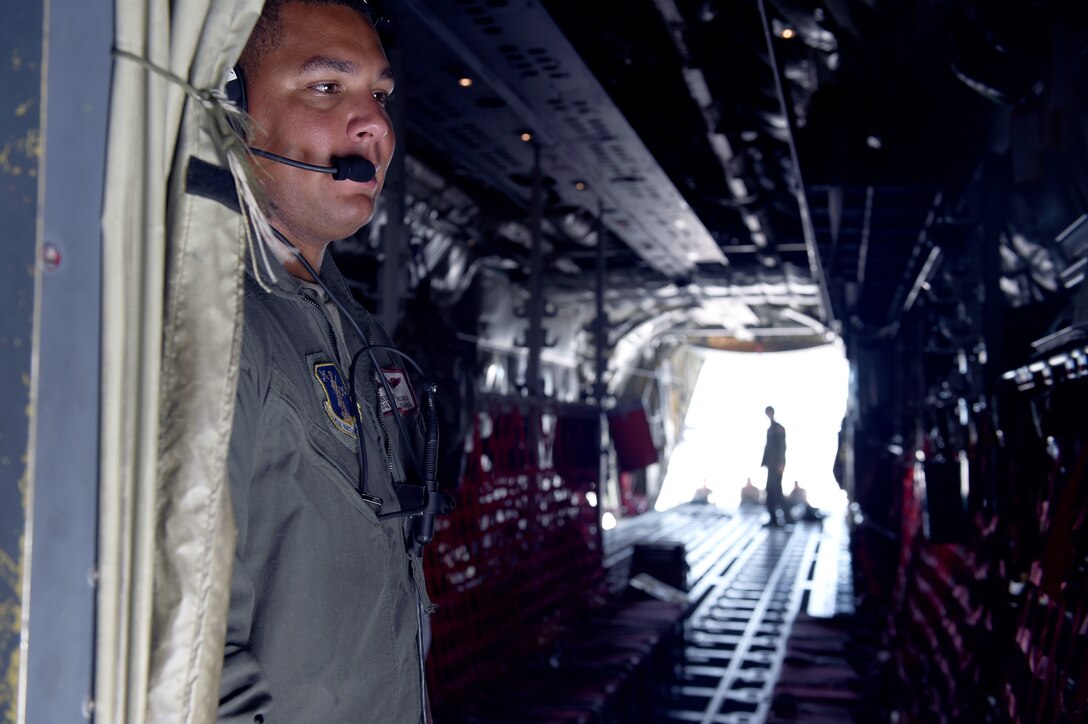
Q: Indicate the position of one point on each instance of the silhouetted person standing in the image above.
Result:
(774, 459)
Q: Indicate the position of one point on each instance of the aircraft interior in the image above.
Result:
(593, 205)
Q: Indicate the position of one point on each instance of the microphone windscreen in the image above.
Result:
(353, 168)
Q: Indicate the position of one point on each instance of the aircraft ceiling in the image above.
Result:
(766, 170)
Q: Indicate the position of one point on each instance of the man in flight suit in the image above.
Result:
(774, 459)
(326, 600)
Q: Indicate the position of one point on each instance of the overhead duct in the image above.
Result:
(731, 163)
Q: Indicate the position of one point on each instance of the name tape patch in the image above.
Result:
(402, 392)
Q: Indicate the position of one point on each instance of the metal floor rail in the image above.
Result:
(747, 584)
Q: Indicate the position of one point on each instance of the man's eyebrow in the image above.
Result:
(322, 62)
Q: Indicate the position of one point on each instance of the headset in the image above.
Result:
(421, 503)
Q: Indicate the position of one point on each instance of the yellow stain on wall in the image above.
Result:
(29, 147)
(16, 156)
(10, 612)
(11, 596)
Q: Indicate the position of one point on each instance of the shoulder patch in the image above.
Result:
(337, 402)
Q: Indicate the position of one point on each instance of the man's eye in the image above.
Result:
(382, 97)
(326, 87)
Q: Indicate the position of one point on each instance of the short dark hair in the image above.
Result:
(266, 33)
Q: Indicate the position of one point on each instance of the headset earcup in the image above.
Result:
(235, 90)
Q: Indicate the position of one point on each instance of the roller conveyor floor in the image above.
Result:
(750, 587)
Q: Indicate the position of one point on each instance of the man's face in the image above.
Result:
(321, 92)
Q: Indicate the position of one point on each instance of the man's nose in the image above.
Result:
(369, 121)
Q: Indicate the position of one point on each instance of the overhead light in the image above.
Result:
(464, 82)
(788, 33)
(580, 185)
(874, 142)
(526, 136)
(680, 224)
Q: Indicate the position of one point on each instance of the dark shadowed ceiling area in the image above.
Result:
(764, 172)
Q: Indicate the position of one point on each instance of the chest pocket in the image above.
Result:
(333, 420)
(315, 454)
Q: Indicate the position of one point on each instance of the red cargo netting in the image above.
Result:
(521, 553)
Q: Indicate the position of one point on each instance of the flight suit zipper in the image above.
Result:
(379, 391)
(424, 607)
(328, 326)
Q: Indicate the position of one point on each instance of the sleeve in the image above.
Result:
(244, 695)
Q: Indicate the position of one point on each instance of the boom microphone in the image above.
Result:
(343, 168)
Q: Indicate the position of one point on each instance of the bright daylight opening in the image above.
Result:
(721, 442)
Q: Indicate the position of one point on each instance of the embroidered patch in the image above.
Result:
(402, 392)
(337, 402)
